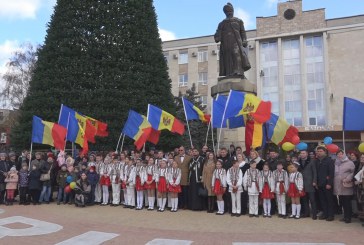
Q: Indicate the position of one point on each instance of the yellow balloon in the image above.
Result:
(361, 148)
(288, 146)
(73, 185)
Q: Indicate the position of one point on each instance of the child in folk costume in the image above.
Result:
(150, 186)
(295, 191)
(129, 176)
(174, 180)
(105, 182)
(140, 178)
(11, 185)
(266, 184)
(99, 165)
(114, 173)
(219, 186)
(162, 185)
(235, 182)
(251, 183)
(280, 177)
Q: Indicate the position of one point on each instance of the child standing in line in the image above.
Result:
(105, 183)
(280, 177)
(251, 183)
(235, 181)
(140, 177)
(62, 182)
(23, 184)
(162, 187)
(295, 191)
(266, 184)
(11, 185)
(219, 186)
(93, 179)
(174, 180)
(129, 176)
(150, 185)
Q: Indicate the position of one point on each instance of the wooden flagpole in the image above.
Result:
(117, 146)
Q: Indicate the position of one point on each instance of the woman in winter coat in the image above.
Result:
(83, 189)
(343, 183)
(207, 172)
(46, 168)
(35, 185)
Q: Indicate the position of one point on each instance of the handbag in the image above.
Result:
(349, 184)
(202, 192)
(47, 176)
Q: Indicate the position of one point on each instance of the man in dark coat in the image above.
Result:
(226, 164)
(325, 180)
(308, 169)
(195, 180)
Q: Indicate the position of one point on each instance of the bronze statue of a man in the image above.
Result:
(231, 33)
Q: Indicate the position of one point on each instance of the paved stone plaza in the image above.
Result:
(116, 225)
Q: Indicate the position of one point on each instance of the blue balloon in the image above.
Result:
(69, 179)
(328, 141)
(301, 146)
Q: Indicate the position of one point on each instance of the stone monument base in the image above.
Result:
(225, 84)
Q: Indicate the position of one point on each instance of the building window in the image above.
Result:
(183, 58)
(315, 81)
(292, 81)
(269, 77)
(183, 80)
(165, 55)
(203, 100)
(202, 78)
(202, 56)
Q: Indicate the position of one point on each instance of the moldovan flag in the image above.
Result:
(101, 128)
(353, 118)
(80, 128)
(48, 133)
(192, 112)
(240, 103)
(160, 120)
(138, 128)
(279, 130)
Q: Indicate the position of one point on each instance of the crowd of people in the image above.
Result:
(305, 184)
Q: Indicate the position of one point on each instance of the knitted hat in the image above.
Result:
(2, 154)
(12, 154)
(13, 168)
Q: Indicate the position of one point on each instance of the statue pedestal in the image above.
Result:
(223, 87)
(225, 84)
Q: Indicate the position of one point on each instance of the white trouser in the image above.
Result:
(267, 206)
(253, 204)
(235, 202)
(130, 192)
(105, 194)
(115, 193)
(125, 192)
(98, 194)
(140, 197)
(281, 203)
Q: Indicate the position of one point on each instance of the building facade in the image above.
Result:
(302, 62)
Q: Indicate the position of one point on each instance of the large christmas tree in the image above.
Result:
(100, 58)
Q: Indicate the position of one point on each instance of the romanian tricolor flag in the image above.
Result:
(48, 133)
(160, 120)
(192, 112)
(240, 103)
(138, 128)
(279, 130)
